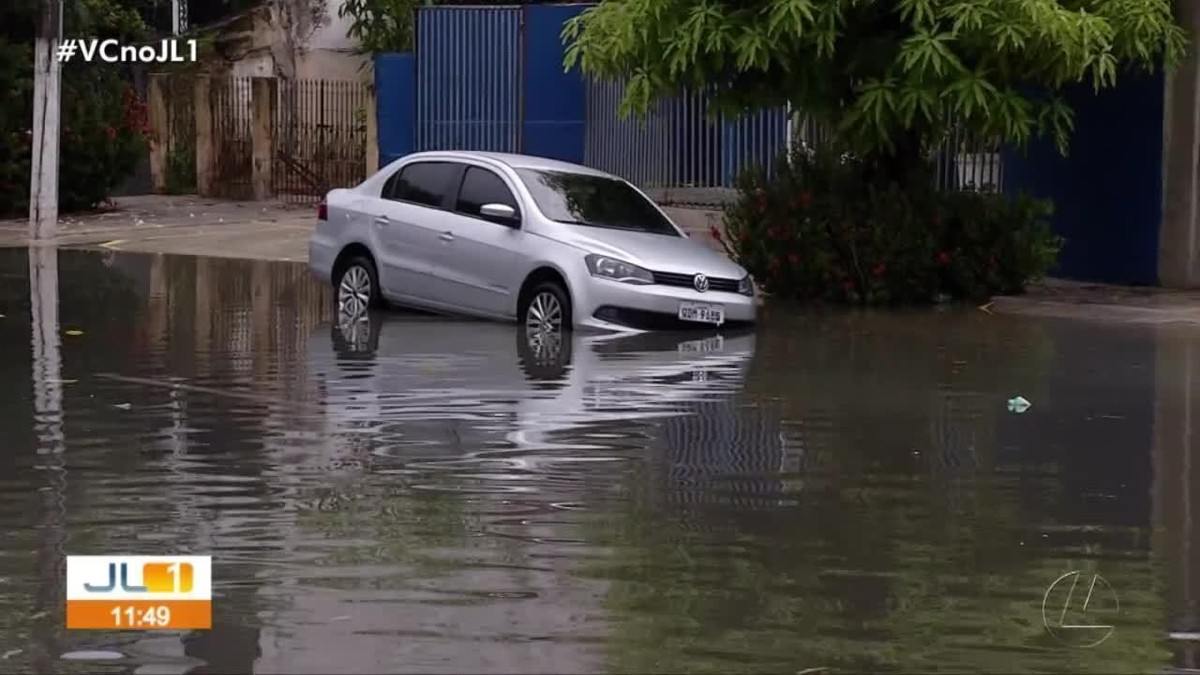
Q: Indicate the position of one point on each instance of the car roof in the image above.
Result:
(513, 161)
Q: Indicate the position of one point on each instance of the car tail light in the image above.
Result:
(322, 211)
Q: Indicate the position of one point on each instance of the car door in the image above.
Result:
(483, 263)
(411, 228)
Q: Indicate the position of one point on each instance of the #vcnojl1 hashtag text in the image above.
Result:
(169, 50)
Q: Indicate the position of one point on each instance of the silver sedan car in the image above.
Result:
(551, 245)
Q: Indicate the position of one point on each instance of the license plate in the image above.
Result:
(713, 344)
(701, 313)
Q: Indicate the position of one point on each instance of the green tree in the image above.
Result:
(103, 121)
(382, 26)
(887, 78)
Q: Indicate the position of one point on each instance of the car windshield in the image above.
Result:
(595, 201)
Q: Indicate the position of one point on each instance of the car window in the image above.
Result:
(425, 183)
(479, 187)
(595, 201)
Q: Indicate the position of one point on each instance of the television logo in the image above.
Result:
(139, 592)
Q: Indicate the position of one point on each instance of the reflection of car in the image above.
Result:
(550, 244)
(480, 383)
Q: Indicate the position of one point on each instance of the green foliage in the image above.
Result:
(103, 123)
(820, 230)
(382, 26)
(876, 71)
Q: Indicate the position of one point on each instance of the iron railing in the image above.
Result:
(232, 151)
(320, 132)
(682, 152)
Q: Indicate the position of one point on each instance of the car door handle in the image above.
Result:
(446, 236)
(381, 220)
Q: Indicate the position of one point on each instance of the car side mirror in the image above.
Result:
(500, 213)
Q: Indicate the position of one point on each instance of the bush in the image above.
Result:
(102, 138)
(821, 229)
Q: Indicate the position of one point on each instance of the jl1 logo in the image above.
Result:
(139, 592)
(160, 577)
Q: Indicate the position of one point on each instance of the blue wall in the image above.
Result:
(1108, 192)
(395, 83)
(554, 100)
(480, 80)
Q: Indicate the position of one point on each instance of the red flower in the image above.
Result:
(770, 233)
(793, 258)
(112, 133)
(744, 236)
(943, 257)
(879, 269)
(715, 232)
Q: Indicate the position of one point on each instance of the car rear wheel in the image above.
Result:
(357, 287)
(546, 310)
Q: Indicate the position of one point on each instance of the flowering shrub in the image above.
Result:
(819, 229)
(103, 136)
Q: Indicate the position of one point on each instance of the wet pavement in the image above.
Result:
(839, 491)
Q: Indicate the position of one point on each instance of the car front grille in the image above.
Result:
(688, 281)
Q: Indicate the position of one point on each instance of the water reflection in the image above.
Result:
(409, 493)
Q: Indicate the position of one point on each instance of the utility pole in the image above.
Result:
(47, 106)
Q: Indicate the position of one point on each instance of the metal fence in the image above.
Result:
(179, 92)
(318, 129)
(469, 71)
(320, 132)
(684, 153)
(232, 151)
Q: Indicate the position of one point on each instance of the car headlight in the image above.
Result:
(746, 286)
(617, 270)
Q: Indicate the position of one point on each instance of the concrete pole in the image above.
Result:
(175, 17)
(47, 78)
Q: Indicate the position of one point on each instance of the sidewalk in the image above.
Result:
(185, 225)
(1100, 302)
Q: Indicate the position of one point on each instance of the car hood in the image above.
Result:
(655, 252)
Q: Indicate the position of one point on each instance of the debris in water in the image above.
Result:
(1018, 404)
(74, 333)
(123, 406)
(9, 654)
(93, 655)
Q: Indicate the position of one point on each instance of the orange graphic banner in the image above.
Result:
(139, 614)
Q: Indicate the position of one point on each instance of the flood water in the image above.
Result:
(412, 494)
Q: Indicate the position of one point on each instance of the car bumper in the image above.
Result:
(322, 252)
(615, 306)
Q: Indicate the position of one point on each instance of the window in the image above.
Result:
(424, 183)
(480, 187)
(595, 201)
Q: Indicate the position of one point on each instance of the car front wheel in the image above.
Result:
(546, 310)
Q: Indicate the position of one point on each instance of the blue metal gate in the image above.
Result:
(468, 79)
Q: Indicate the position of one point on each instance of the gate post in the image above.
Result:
(371, 108)
(262, 117)
(204, 135)
(160, 132)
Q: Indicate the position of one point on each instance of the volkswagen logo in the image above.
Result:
(700, 282)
